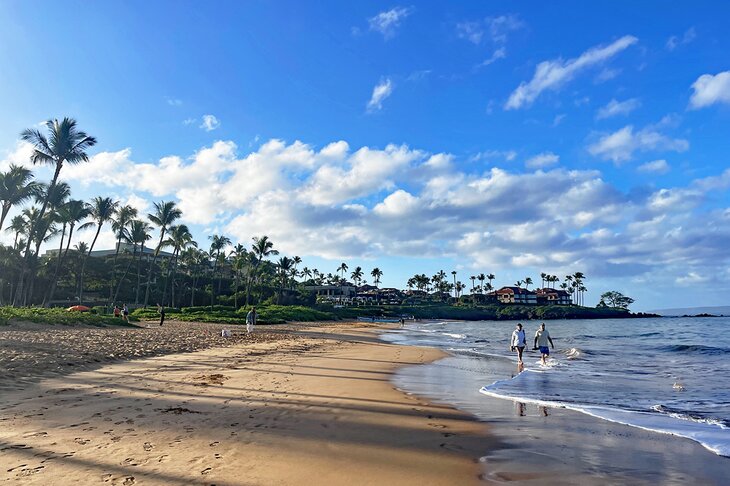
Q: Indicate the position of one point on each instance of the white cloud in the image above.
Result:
(508, 155)
(692, 278)
(210, 123)
(558, 119)
(540, 161)
(656, 166)
(615, 108)
(710, 89)
(20, 155)
(495, 28)
(620, 145)
(173, 101)
(189, 121)
(499, 53)
(554, 74)
(607, 74)
(388, 21)
(380, 92)
(673, 42)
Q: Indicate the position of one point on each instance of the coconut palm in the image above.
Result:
(120, 222)
(139, 234)
(16, 187)
(481, 277)
(527, 282)
(68, 214)
(262, 248)
(65, 144)
(473, 279)
(490, 277)
(357, 275)
(376, 274)
(164, 215)
(284, 266)
(102, 211)
(217, 244)
(19, 225)
(179, 238)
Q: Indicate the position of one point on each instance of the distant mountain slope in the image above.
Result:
(723, 310)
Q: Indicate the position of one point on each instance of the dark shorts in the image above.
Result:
(126, 313)
(544, 350)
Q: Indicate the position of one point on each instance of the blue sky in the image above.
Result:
(503, 137)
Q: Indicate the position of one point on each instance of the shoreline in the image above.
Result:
(543, 442)
(317, 408)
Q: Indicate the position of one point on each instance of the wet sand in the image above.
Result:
(315, 408)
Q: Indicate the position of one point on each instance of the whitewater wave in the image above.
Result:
(711, 434)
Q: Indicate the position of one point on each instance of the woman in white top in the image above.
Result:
(518, 342)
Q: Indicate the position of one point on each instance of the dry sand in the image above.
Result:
(312, 409)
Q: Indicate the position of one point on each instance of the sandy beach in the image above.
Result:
(294, 404)
(315, 408)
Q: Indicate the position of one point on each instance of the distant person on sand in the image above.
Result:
(125, 313)
(542, 339)
(251, 319)
(161, 311)
(117, 311)
(518, 342)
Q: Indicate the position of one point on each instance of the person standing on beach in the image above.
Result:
(125, 313)
(117, 311)
(542, 339)
(161, 311)
(518, 342)
(251, 319)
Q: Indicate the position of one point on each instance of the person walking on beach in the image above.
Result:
(125, 313)
(518, 342)
(117, 311)
(542, 339)
(251, 320)
(161, 311)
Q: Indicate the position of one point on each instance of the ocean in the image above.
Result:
(668, 375)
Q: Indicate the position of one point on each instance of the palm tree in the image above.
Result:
(122, 217)
(356, 275)
(65, 143)
(307, 273)
(342, 269)
(102, 210)
(16, 187)
(527, 282)
(473, 279)
(481, 277)
(453, 274)
(490, 277)
(217, 244)
(179, 239)
(262, 247)
(164, 215)
(19, 226)
(376, 274)
(137, 234)
(284, 266)
(68, 214)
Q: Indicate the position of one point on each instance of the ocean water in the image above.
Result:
(668, 375)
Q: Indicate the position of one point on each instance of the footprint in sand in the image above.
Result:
(81, 441)
(213, 444)
(207, 470)
(148, 447)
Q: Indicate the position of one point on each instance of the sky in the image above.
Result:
(499, 137)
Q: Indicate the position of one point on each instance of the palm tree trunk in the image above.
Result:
(27, 268)
(52, 290)
(152, 264)
(192, 291)
(6, 210)
(114, 269)
(139, 266)
(124, 275)
(83, 264)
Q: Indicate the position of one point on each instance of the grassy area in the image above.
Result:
(55, 316)
(276, 314)
(273, 314)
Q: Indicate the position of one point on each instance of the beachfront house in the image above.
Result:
(548, 296)
(516, 295)
(334, 293)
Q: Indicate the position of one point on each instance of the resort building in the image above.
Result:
(553, 296)
(333, 292)
(123, 248)
(516, 295)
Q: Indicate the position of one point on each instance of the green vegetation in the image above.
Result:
(271, 314)
(56, 317)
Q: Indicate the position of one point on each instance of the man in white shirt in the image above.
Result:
(542, 338)
(518, 342)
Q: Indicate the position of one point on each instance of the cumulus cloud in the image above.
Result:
(387, 22)
(210, 123)
(495, 28)
(674, 41)
(553, 74)
(20, 155)
(621, 145)
(380, 92)
(615, 108)
(540, 161)
(710, 89)
(655, 166)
